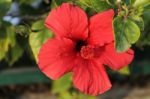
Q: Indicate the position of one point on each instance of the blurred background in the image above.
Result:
(21, 35)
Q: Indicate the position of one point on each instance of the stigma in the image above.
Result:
(87, 52)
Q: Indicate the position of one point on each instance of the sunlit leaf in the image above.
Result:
(61, 85)
(138, 20)
(65, 95)
(132, 31)
(11, 35)
(4, 39)
(53, 4)
(132, 1)
(124, 70)
(126, 33)
(84, 96)
(97, 5)
(138, 3)
(2, 54)
(4, 43)
(36, 39)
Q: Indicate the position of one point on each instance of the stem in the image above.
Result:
(119, 5)
(109, 2)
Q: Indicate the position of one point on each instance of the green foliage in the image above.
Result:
(145, 36)
(57, 85)
(124, 71)
(126, 33)
(53, 4)
(4, 42)
(14, 54)
(10, 50)
(36, 39)
(139, 21)
(4, 7)
(83, 96)
(63, 86)
(96, 5)
(138, 3)
(11, 35)
(131, 23)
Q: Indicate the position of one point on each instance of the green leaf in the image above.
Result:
(132, 1)
(4, 39)
(138, 3)
(138, 20)
(111, 2)
(84, 96)
(2, 54)
(126, 33)
(124, 70)
(36, 39)
(14, 54)
(53, 4)
(65, 95)
(132, 31)
(11, 35)
(121, 43)
(9, 49)
(96, 5)
(4, 43)
(38, 25)
(59, 2)
(62, 85)
(147, 8)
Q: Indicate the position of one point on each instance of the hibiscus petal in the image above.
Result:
(116, 60)
(68, 21)
(101, 28)
(56, 57)
(90, 77)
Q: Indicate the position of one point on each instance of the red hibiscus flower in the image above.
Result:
(82, 46)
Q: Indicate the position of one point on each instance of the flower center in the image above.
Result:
(79, 45)
(87, 52)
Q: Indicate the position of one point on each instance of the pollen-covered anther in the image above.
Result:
(87, 52)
